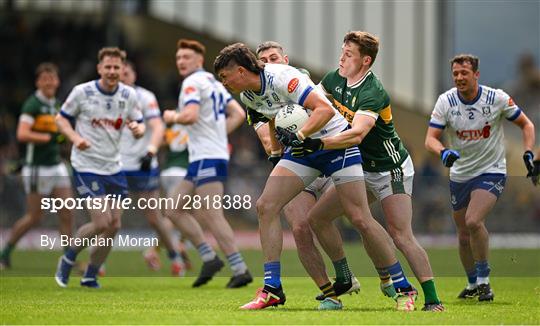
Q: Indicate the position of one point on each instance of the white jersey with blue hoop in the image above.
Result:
(99, 117)
(131, 148)
(475, 130)
(207, 136)
(281, 85)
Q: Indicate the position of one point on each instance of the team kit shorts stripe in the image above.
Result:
(171, 177)
(207, 170)
(396, 181)
(90, 184)
(460, 192)
(44, 179)
(142, 180)
(343, 165)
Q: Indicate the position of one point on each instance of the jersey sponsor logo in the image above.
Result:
(293, 85)
(104, 122)
(474, 134)
(45, 123)
(345, 111)
(189, 90)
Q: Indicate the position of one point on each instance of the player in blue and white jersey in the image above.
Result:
(139, 163)
(296, 211)
(208, 113)
(473, 115)
(266, 88)
(100, 109)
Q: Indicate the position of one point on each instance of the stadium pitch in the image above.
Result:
(131, 294)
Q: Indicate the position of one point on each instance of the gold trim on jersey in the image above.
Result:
(386, 114)
(45, 123)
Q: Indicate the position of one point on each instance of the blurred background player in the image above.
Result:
(296, 210)
(139, 164)
(360, 97)
(475, 155)
(43, 173)
(208, 113)
(100, 109)
(266, 88)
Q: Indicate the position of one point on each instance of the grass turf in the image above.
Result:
(133, 295)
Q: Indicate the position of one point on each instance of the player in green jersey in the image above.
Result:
(295, 212)
(43, 173)
(360, 97)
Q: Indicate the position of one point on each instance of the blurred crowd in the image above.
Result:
(73, 45)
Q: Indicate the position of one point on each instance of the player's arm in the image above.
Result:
(64, 126)
(322, 113)
(527, 129)
(188, 116)
(263, 132)
(157, 135)
(361, 125)
(433, 140)
(275, 146)
(235, 115)
(25, 134)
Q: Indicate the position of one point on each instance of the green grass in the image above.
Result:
(133, 295)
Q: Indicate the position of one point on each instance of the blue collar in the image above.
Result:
(263, 83)
(473, 100)
(104, 92)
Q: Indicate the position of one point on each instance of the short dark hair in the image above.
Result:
(112, 52)
(191, 44)
(462, 58)
(240, 54)
(368, 44)
(269, 45)
(130, 64)
(46, 67)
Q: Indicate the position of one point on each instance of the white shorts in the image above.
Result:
(171, 177)
(319, 186)
(397, 181)
(44, 179)
(309, 175)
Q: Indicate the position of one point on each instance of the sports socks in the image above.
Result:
(328, 291)
(70, 254)
(91, 271)
(472, 277)
(206, 252)
(238, 266)
(398, 277)
(7, 251)
(430, 294)
(343, 273)
(272, 274)
(384, 276)
(482, 269)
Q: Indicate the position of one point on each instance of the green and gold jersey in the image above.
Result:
(382, 149)
(178, 155)
(40, 112)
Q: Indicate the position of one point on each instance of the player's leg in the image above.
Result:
(192, 230)
(156, 221)
(65, 215)
(30, 219)
(397, 210)
(296, 215)
(465, 254)
(220, 228)
(353, 198)
(281, 187)
(482, 202)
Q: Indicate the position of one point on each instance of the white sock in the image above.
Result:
(482, 280)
